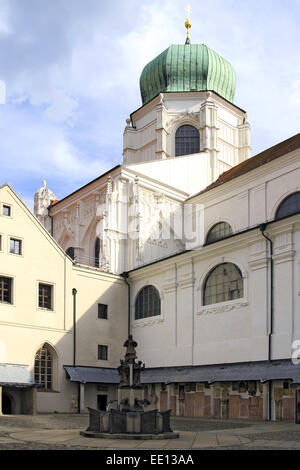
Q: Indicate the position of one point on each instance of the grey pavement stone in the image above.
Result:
(62, 432)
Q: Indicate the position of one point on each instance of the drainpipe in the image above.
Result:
(126, 276)
(262, 228)
(193, 310)
(74, 293)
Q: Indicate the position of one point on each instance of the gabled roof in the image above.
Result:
(272, 153)
(56, 202)
(36, 221)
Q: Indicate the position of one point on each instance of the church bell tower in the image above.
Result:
(188, 117)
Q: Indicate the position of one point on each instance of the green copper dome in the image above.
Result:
(190, 67)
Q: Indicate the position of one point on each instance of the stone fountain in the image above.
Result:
(131, 419)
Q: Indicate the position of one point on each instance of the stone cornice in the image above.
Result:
(258, 263)
(170, 287)
(185, 283)
(284, 256)
(201, 253)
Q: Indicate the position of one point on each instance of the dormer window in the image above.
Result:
(187, 141)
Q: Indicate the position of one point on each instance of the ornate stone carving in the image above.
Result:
(185, 115)
(129, 370)
(42, 200)
(148, 322)
(222, 308)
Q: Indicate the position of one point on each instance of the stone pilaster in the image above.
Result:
(244, 140)
(161, 134)
(82, 397)
(209, 134)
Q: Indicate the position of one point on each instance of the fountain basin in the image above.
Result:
(114, 424)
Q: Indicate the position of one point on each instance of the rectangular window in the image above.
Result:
(102, 353)
(45, 296)
(15, 246)
(102, 311)
(6, 210)
(6, 290)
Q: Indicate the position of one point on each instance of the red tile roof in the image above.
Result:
(279, 150)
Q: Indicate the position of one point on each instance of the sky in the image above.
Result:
(70, 69)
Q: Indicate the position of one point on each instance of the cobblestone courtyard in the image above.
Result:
(61, 432)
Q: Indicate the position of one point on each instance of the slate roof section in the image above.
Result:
(15, 375)
(92, 375)
(272, 153)
(258, 371)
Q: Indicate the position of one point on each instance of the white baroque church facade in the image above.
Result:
(199, 243)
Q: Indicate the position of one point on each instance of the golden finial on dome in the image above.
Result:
(188, 24)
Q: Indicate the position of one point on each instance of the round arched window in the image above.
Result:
(43, 368)
(223, 283)
(290, 206)
(218, 232)
(147, 303)
(187, 140)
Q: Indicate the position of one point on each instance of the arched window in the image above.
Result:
(219, 232)
(71, 252)
(290, 206)
(43, 368)
(224, 282)
(147, 303)
(97, 252)
(187, 140)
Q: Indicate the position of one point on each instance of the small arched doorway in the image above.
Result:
(6, 404)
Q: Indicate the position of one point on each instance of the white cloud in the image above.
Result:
(62, 107)
(5, 25)
(67, 161)
(72, 72)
